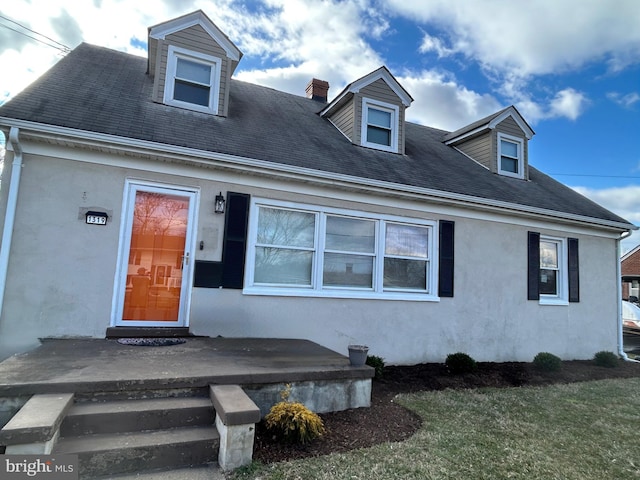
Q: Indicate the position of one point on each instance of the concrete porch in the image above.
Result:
(79, 372)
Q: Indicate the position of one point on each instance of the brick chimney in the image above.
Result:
(318, 90)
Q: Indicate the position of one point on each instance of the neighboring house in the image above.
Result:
(344, 223)
(630, 269)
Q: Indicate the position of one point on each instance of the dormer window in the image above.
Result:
(379, 125)
(192, 80)
(510, 156)
(370, 112)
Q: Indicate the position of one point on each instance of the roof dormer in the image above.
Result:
(370, 112)
(499, 142)
(192, 61)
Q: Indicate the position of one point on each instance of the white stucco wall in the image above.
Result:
(489, 317)
(61, 272)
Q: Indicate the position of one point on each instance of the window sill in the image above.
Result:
(506, 173)
(191, 106)
(554, 301)
(379, 146)
(362, 295)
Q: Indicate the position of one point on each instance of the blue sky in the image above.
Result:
(571, 67)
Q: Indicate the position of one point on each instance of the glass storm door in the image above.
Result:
(156, 263)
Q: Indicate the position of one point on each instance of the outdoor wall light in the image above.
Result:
(219, 206)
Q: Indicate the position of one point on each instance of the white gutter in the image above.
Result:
(306, 174)
(619, 276)
(10, 214)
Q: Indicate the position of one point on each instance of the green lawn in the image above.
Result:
(578, 431)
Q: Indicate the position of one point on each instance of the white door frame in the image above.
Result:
(126, 224)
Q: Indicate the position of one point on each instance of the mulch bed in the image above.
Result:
(386, 421)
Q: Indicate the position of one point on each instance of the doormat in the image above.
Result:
(151, 342)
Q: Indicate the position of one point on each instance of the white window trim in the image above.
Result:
(520, 143)
(169, 84)
(316, 289)
(562, 297)
(395, 115)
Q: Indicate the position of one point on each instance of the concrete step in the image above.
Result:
(117, 453)
(140, 393)
(204, 472)
(89, 418)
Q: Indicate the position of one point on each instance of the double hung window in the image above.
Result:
(285, 247)
(406, 257)
(318, 251)
(510, 156)
(551, 274)
(192, 80)
(379, 125)
(349, 252)
(553, 269)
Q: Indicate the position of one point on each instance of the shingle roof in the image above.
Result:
(100, 90)
(484, 122)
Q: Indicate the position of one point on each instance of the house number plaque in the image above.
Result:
(96, 218)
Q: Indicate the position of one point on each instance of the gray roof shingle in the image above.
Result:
(105, 91)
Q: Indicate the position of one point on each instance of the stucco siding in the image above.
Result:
(489, 317)
(5, 180)
(67, 293)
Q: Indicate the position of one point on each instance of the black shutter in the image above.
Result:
(228, 273)
(235, 240)
(533, 266)
(445, 258)
(574, 270)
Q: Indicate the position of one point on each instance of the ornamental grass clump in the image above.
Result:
(606, 359)
(547, 362)
(292, 422)
(460, 363)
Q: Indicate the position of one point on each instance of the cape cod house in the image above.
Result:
(343, 222)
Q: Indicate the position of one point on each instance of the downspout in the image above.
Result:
(10, 214)
(619, 276)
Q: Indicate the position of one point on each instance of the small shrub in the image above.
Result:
(459, 363)
(547, 362)
(606, 359)
(293, 422)
(377, 363)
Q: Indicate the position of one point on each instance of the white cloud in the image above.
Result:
(626, 101)
(442, 103)
(331, 40)
(568, 103)
(514, 42)
(545, 36)
(313, 42)
(109, 23)
(434, 44)
(623, 201)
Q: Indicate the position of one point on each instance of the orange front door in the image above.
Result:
(154, 279)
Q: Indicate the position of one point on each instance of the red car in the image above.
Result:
(630, 318)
